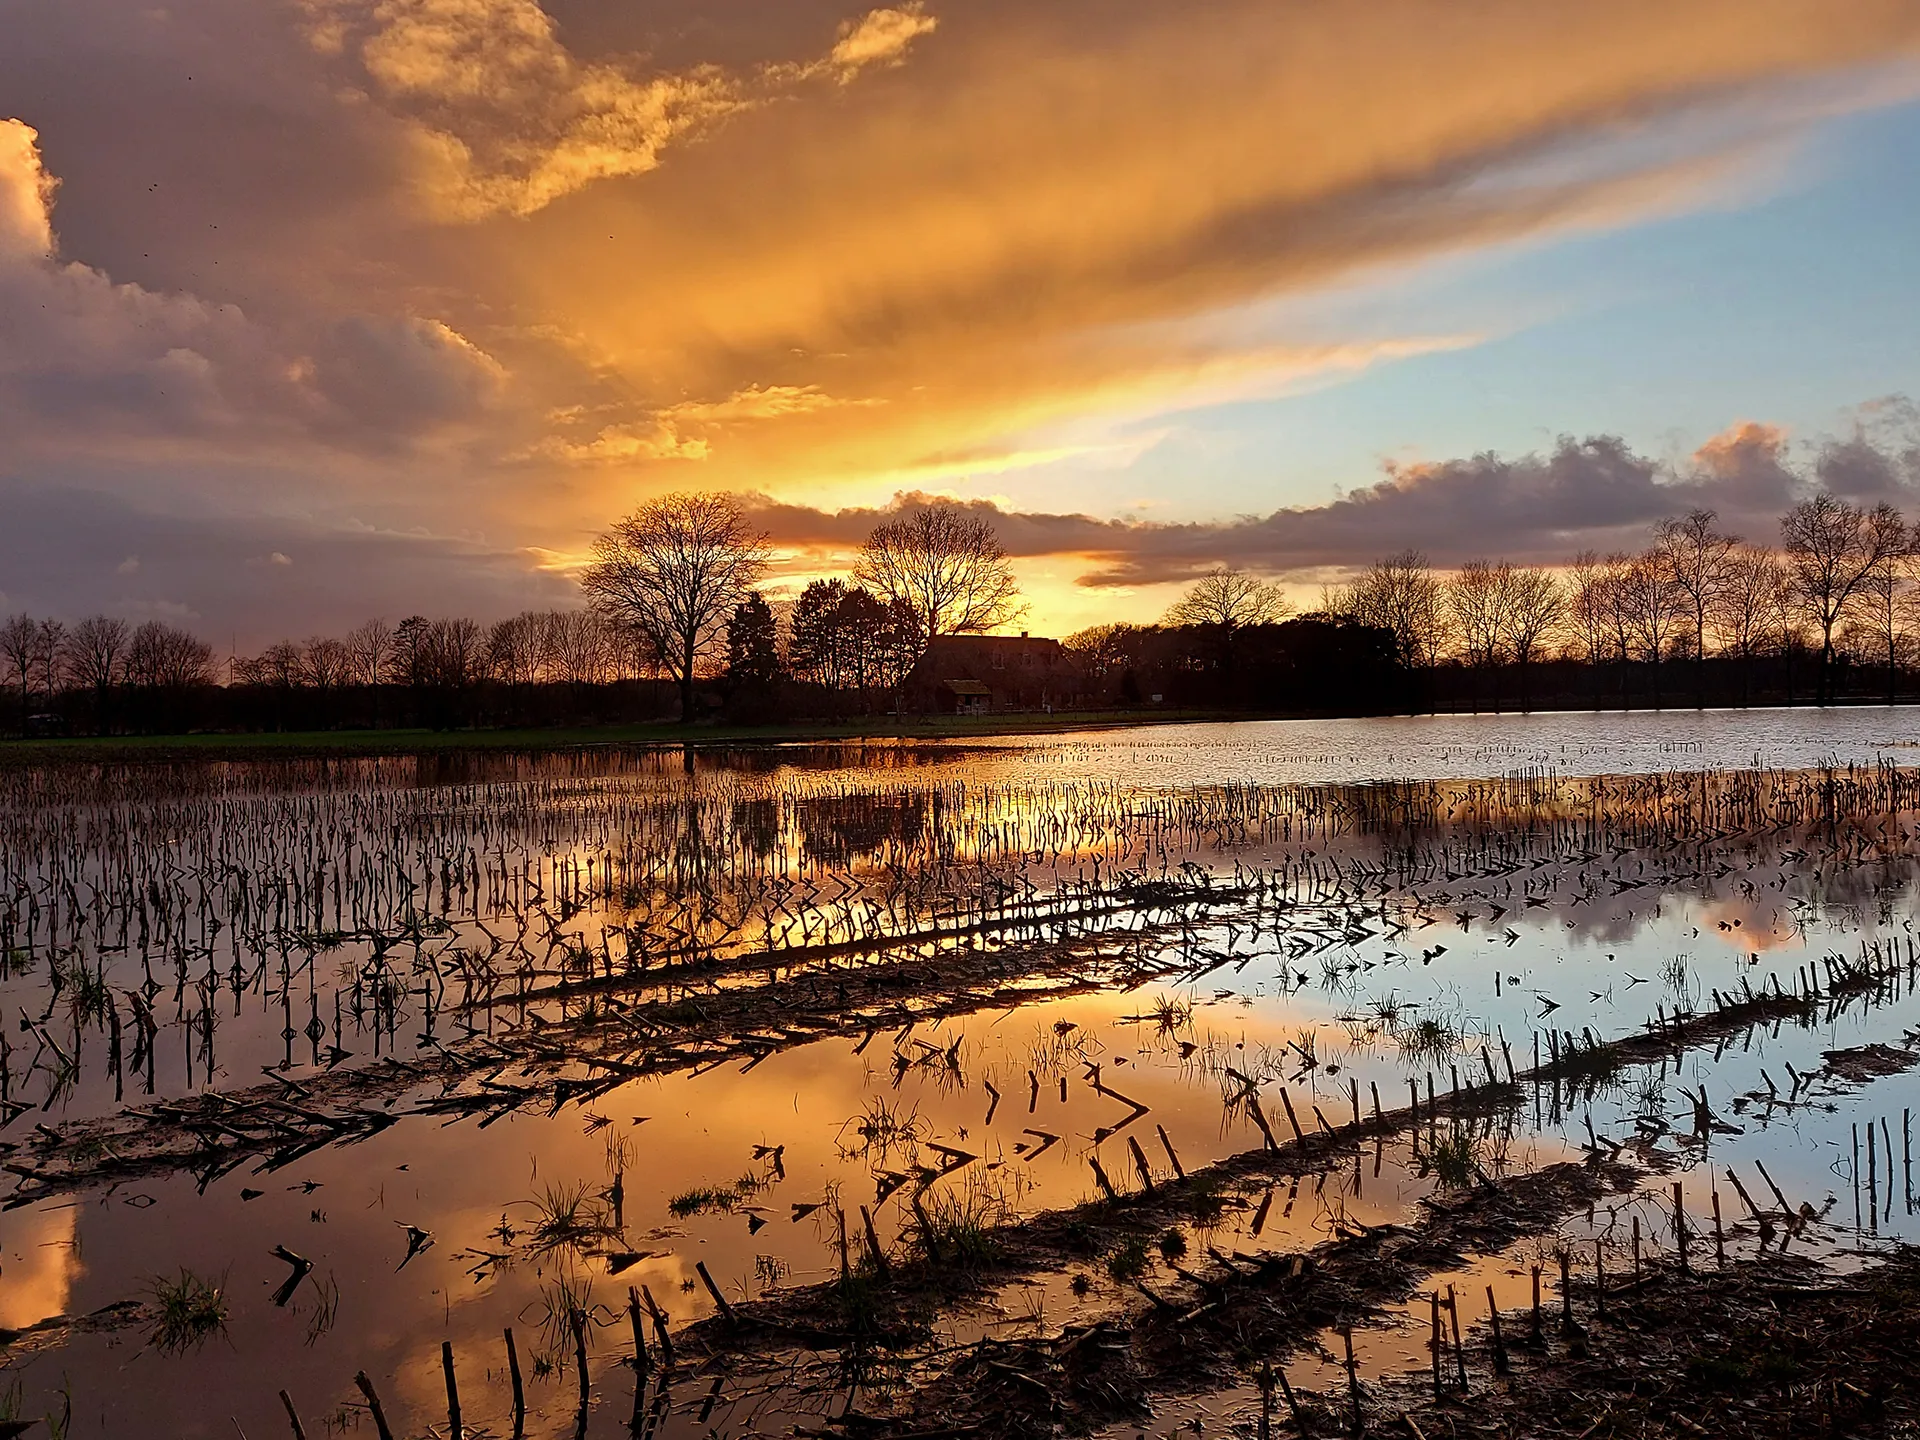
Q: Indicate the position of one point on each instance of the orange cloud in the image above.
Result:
(667, 241)
(503, 118)
(880, 37)
(1038, 224)
(761, 402)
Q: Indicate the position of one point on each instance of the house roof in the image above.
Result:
(967, 687)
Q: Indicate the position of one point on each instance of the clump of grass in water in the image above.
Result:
(559, 1299)
(1388, 1010)
(882, 1128)
(1450, 1160)
(1588, 1060)
(60, 1425)
(1339, 975)
(325, 1312)
(1126, 1262)
(86, 989)
(962, 1225)
(705, 1199)
(1306, 1045)
(1674, 973)
(1650, 1096)
(564, 1217)
(191, 1312)
(1428, 1039)
(1170, 1013)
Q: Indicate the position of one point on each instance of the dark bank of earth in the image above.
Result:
(1774, 1347)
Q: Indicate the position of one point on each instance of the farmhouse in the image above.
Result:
(978, 674)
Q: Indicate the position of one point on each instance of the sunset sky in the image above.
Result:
(315, 309)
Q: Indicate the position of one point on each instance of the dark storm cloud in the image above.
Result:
(73, 551)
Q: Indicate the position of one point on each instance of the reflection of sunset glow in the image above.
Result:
(39, 1262)
(1006, 962)
(1748, 926)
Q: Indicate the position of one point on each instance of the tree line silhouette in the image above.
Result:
(1831, 612)
(674, 623)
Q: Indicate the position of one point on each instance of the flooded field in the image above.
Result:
(1095, 1084)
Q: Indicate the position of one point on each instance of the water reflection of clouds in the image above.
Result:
(1290, 993)
(39, 1262)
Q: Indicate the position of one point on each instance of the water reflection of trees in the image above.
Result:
(838, 829)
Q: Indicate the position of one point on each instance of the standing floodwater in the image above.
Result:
(758, 1097)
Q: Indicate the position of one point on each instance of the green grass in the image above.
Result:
(293, 744)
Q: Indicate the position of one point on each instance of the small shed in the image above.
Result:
(965, 697)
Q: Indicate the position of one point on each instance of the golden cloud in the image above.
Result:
(761, 402)
(880, 37)
(1033, 245)
(26, 194)
(1044, 226)
(504, 119)
(624, 444)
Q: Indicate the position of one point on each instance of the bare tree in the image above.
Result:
(1652, 610)
(1100, 649)
(455, 653)
(1882, 604)
(1696, 556)
(1402, 594)
(1749, 606)
(1831, 548)
(19, 643)
(1224, 602)
(1476, 596)
(161, 657)
(281, 665)
(48, 641)
(406, 655)
(582, 647)
(326, 664)
(370, 646)
(1590, 610)
(1229, 600)
(673, 571)
(370, 643)
(1531, 610)
(1113, 652)
(947, 566)
(93, 653)
(517, 648)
